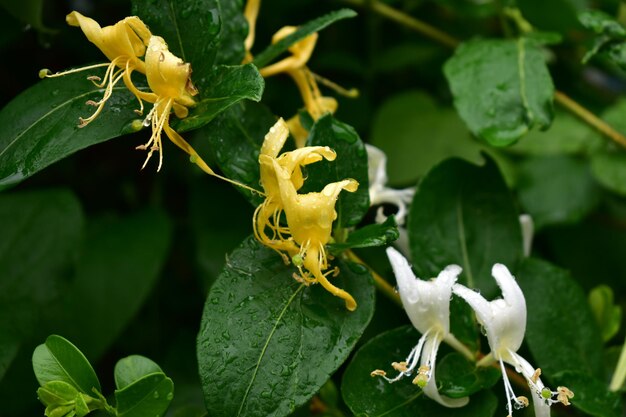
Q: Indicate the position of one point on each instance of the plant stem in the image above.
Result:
(406, 20)
(620, 371)
(451, 42)
(589, 118)
(380, 282)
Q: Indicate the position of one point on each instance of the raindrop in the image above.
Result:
(170, 396)
(156, 395)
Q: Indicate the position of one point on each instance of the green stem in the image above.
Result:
(620, 371)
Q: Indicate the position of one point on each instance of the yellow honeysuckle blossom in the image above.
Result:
(309, 216)
(250, 12)
(123, 43)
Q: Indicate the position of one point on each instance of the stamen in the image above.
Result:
(399, 366)
(378, 372)
(564, 395)
(351, 93)
(423, 375)
(46, 73)
(536, 375)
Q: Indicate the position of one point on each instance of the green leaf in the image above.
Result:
(122, 262)
(56, 392)
(59, 360)
(191, 29)
(602, 23)
(132, 368)
(609, 169)
(147, 396)
(268, 343)
(351, 162)
(226, 86)
(558, 343)
(501, 88)
(591, 395)
(558, 15)
(234, 31)
(369, 236)
(274, 51)
(41, 124)
(568, 196)
(608, 315)
(41, 233)
(241, 132)
(416, 134)
(464, 214)
(373, 396)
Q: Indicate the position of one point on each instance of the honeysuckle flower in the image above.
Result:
(379, 192)
(427, 303)
(309, 216)
(306, 81)
(169, 78)
(123, 43)
(250, 12)
(504, 321)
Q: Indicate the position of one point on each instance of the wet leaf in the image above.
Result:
(147, 396)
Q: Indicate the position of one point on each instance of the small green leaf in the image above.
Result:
(191, 29)
(226, 86)
(373, 396)
(602, 23)
(133, 368)
(610, 38)
(501, 88)
(234, 31)
(56, 392)
(41, 124)
(591, 395)
(568, 196)
(369, 236)
(416, 134)
(464, 214)
(267, 342)
(351, 162)
(556, 342)
(147, 396)
(609, 169)
(274, 51)
(608, 315)
(60, 360)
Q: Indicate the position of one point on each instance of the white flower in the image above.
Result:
(427, 303)
(504, 321)
(379, 192)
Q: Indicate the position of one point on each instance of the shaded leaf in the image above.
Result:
(148, 396)
(502, 88)
(373, 396)
(231, 49)
(132, 368)
(29, 12)
(41, 124)
(41, 233)
(369, 236)
(464, 214)
(609, 169)
(351, 162)
(416, 134)
(191, 29)
(591, 395)
(118, 267)
(559, 15)
(262, 330)
(551, 294)
(273, 51)
(557, 190)
(241, 132)
(59, 360)
(608, 315)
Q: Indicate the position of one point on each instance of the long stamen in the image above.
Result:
(351, 93)
(113, 79)
(45, 73)
(412, 360)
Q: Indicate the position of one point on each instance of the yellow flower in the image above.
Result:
(123, 44)
(169, 78)
(250, 12)
(309, 216)
(306, 81)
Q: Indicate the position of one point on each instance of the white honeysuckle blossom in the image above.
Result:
(379, 192)
(427, 303)
(504, 321)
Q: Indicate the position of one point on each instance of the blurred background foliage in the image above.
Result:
(120, 260)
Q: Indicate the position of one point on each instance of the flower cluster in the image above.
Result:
(168, 77)
(504, 320)
(309, 216)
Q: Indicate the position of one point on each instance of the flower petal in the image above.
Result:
(429, 357)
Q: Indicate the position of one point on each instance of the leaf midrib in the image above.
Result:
(267, 342)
